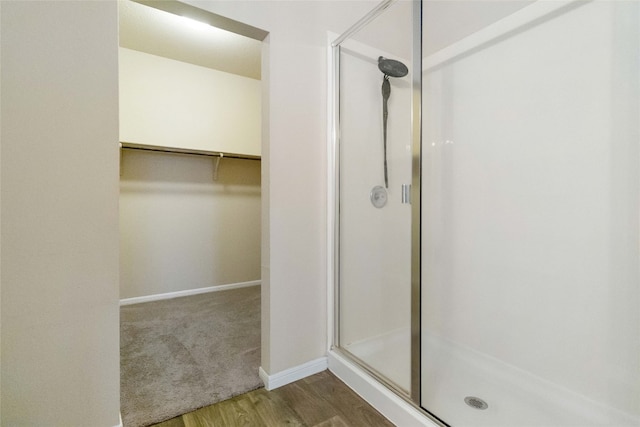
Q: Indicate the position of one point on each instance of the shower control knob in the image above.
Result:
(378, 196)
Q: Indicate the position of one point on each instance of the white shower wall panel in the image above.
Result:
(375, 242)
(530, 188)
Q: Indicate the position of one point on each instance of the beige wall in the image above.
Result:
(59, 214)
(172, 103)
(294, 262)
(60, 196)
(180, 229)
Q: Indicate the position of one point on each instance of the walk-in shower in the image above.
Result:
(489, 273)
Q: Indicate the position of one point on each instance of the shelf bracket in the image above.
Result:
(216, 166)
(121, 158)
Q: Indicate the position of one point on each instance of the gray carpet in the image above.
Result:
(185, 353)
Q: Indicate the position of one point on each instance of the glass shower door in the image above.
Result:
(374, 153)
(530, 293)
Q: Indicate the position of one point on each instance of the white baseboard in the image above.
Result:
(290, 375)
(392, 406)
(120, 424)
(188, 292)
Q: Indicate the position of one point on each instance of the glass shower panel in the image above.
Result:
(374, 185)
(530, 290)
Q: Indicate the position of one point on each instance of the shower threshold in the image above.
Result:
(452, 373)
(389, 354)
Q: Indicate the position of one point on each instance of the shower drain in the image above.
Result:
(475, 402)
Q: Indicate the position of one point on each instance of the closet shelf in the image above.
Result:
(163, 149)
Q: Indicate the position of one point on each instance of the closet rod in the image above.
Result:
(161, 149)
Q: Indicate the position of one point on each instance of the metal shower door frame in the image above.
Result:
(334, 170)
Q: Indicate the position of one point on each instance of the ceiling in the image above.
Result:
(444, 23)
(161, 33)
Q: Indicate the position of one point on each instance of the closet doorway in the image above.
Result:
(190, 209)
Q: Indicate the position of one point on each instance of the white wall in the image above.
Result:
(294, 145)
(375, 242)
(180, 229)
(447, 22)
(59, 83)
(172, 103)
(531, 201)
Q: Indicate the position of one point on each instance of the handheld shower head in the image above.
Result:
(392, 68)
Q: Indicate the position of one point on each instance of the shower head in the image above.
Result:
(391, 67)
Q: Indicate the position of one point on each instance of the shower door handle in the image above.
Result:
(406, 194)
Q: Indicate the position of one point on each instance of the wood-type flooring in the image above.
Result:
(320, 400)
